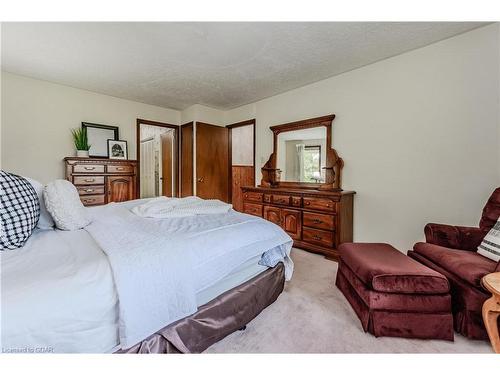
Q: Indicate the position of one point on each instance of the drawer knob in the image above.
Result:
(307, 203)
(317, 237)
(120, 168)
(88, 200)
(89, 190)
(89, 179)
(317, 221)
(89, 168)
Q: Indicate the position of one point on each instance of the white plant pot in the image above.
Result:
(82, 153)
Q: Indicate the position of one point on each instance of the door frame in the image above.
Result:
(230, 155)
(138, 151)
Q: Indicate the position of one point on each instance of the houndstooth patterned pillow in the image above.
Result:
(19, 210)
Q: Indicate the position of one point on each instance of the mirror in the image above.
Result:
(98, 136)
(301, 155)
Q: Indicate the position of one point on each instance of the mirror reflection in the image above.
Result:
(301, 155)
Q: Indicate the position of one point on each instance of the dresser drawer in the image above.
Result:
(88, 180)
(120, 169)
(317, 236)
(90, 190)
(320, 221)
(91, 200)
(88, 168)
(252, 196)
(252, 209)
(280, 199)
(296, 201)
(321, 204)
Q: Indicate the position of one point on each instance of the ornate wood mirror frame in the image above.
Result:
(333, 166)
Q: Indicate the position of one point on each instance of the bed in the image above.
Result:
(59, 292)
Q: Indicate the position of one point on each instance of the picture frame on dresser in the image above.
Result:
(117, 149)
(98, 136)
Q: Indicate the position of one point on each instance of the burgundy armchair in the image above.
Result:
(451, 250)
(465, 238)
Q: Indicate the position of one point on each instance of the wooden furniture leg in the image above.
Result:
(491, 308)
(491, 312)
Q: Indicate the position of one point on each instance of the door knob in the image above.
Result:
(201, 179)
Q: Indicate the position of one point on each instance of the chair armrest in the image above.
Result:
(454, 237)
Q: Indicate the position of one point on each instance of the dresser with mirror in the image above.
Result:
(301, 189)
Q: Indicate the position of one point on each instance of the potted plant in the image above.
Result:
(81, 142)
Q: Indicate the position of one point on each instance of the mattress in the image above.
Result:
(58, 294)
(245, 272)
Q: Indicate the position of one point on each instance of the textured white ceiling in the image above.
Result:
(222, 65)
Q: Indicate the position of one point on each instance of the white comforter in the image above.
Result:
(159, 264)
(58, 295)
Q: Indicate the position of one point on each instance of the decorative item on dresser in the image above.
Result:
(318, 216)
(100, 181)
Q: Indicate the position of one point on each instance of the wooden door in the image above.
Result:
(273, 214)
(212, 172)
(291, 223)
(236, 194)
(120, 188)
(241, 176)
(167, 156)
(186, 160)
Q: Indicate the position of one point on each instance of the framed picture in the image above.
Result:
(117, 149)
(98, 136)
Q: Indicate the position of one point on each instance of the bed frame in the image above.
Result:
(225, 314)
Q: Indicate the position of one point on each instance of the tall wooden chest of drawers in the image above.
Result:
(100, 181)
(316, 220)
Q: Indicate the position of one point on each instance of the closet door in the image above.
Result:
(168, 161)
(212, 170)
(186, 160)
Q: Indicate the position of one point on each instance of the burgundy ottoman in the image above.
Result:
(394, 295)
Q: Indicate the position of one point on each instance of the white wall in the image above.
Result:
(198, 112)
(418, 133)
(37, 117)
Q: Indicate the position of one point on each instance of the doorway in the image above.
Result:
(241, 160)
(157, 158)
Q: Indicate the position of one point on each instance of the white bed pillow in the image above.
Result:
(490, 247)
(63, 203)
(45, 221)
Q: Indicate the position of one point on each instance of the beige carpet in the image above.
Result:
(312, 316)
